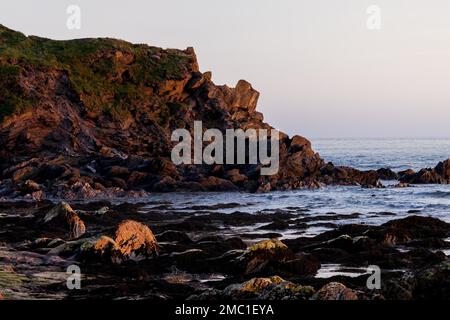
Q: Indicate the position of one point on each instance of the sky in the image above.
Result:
(321, 72)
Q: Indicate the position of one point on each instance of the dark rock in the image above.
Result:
(30, 186)
(172, 235)
(132, 241)
(277, 224)
(438, 175)
(387, 174)
(136, 240)
(273, 288)
(413, 227)
(349, 176)
(405, 173)
(335, 291)
(431, 283)
(273, 256)
(64, 214)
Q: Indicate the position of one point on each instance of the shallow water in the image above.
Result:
(374, 205)
(397, 154)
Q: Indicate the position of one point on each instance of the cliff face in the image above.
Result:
(83, 117)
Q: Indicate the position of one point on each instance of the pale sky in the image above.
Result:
(320, 70)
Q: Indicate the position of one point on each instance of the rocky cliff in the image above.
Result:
(94, 117)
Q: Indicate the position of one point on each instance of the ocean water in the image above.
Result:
(397, 154)
(374, 206)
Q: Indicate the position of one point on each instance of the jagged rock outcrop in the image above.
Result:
(63, 214)
(438, 175)
(93, 118)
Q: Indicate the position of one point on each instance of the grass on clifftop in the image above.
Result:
(12, 99)
(104, 81)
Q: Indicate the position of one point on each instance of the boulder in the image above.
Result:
(430, 283)
(273, 288)
(135, 240)
(132, 241)
(273, 256)
(335, 291)
(299, 143)
(410, 228)
(102, 249)
(63, 214)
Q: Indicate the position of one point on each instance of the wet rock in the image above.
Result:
(135, 240)
(192, 260)
(132, 241)
(273, 288)
(172, 235)
(356, 245)
(252, 236)
(277, 224)
(274, 248)
(413, 227)
(219, 246)
(63, 214)
(335, 291)
(387, 174)
(30, 187)
(67, 248)
(438, 175)
(273, 256)
(405, 173)
(102, 249)
(433, 242)
(431, 283)
(331, 174)
(45, 243)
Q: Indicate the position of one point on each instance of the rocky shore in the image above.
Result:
(93, 118)
(126, 252)
(89, 122)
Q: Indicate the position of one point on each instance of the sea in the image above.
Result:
(375, 206)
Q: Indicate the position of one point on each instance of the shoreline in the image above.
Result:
(223, 240)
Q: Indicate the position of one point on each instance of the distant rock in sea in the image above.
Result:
(437, 175)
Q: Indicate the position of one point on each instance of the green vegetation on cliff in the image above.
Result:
(109, 75)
